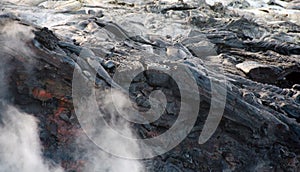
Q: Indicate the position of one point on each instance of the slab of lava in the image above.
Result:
(260, 128)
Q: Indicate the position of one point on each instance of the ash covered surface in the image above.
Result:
(251, 49)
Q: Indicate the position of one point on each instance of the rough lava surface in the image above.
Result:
(255, 45)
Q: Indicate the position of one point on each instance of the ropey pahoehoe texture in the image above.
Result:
(256, 46)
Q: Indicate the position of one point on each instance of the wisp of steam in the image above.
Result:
(20, 146)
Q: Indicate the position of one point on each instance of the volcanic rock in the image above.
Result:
(249, 66)
(259, 72)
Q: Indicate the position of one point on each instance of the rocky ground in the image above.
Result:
(252, 53)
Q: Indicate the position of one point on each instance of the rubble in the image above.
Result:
(259, 129)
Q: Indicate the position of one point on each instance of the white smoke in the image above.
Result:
(99, 160)
(97, 157)
(13, 39)
(20, 148)
(2, 78)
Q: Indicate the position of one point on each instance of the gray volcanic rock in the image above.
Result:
(259, 72)
(294, 5)
(291, 110)
(253, 65)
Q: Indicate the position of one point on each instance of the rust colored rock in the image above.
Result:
(41, 94)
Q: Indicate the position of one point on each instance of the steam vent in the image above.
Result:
(149, 86)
